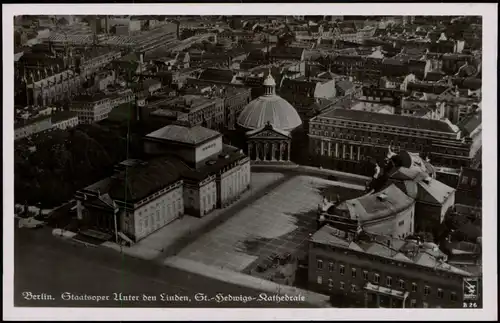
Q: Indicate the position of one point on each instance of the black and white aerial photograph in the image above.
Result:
(251, 161)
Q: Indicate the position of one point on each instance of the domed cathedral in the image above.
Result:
(268, 122)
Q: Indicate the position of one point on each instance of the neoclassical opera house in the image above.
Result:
(269, 121)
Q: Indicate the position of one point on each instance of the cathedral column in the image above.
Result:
(336, 150)
(343, 151)
(329, 149)
(280, 154)
(273, 151)
(288, 145)
(359, 152)
(250, 149)
(322, 147)
(351, 151)
(257, 148)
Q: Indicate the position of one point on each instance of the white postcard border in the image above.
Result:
(490, 27)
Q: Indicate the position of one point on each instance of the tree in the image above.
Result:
(66, 161)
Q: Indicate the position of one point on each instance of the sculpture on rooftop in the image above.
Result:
(377, 171)
(390, 152)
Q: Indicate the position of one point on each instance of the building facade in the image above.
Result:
(268, 122)
(186, 171)
(44, 87)
(64, 120)
(269, 144)
(214, 174)
(94, 108)
(383, 272)
(235, 99)
(352, 136)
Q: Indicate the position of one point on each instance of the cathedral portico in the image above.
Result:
(271, 120)
(269, 144)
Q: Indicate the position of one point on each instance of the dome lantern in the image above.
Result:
(269, 85)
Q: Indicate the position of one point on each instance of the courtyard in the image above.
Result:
(280, 222)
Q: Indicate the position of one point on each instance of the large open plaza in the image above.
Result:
(279, 222)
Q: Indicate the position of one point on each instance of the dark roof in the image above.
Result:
(467, 71)
(470, 123)
(295, 52)
(471, 83)
(144, 180)
(256, 55)
(427, 87)
(63, 115)
(228, 155)
(388, 119)
(217, 75)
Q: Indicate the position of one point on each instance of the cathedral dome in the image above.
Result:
(269, 108)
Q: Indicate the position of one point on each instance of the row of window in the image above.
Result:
(173, 196)
(376, 279)
(465, 181)
(354, 289)
(157, 219)
(371, 127)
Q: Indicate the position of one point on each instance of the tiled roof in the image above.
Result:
(217, 75)
(387, 247)
(388, 119)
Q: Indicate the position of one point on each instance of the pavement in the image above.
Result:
(49, 265)
(279, 222)
(231, 276)
(311, 171)
(170, 239)
(54, 263)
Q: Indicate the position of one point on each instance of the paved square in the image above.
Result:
(279, 222)
(151, 246)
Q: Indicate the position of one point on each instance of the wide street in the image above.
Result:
(50, 265)
(45, 264)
